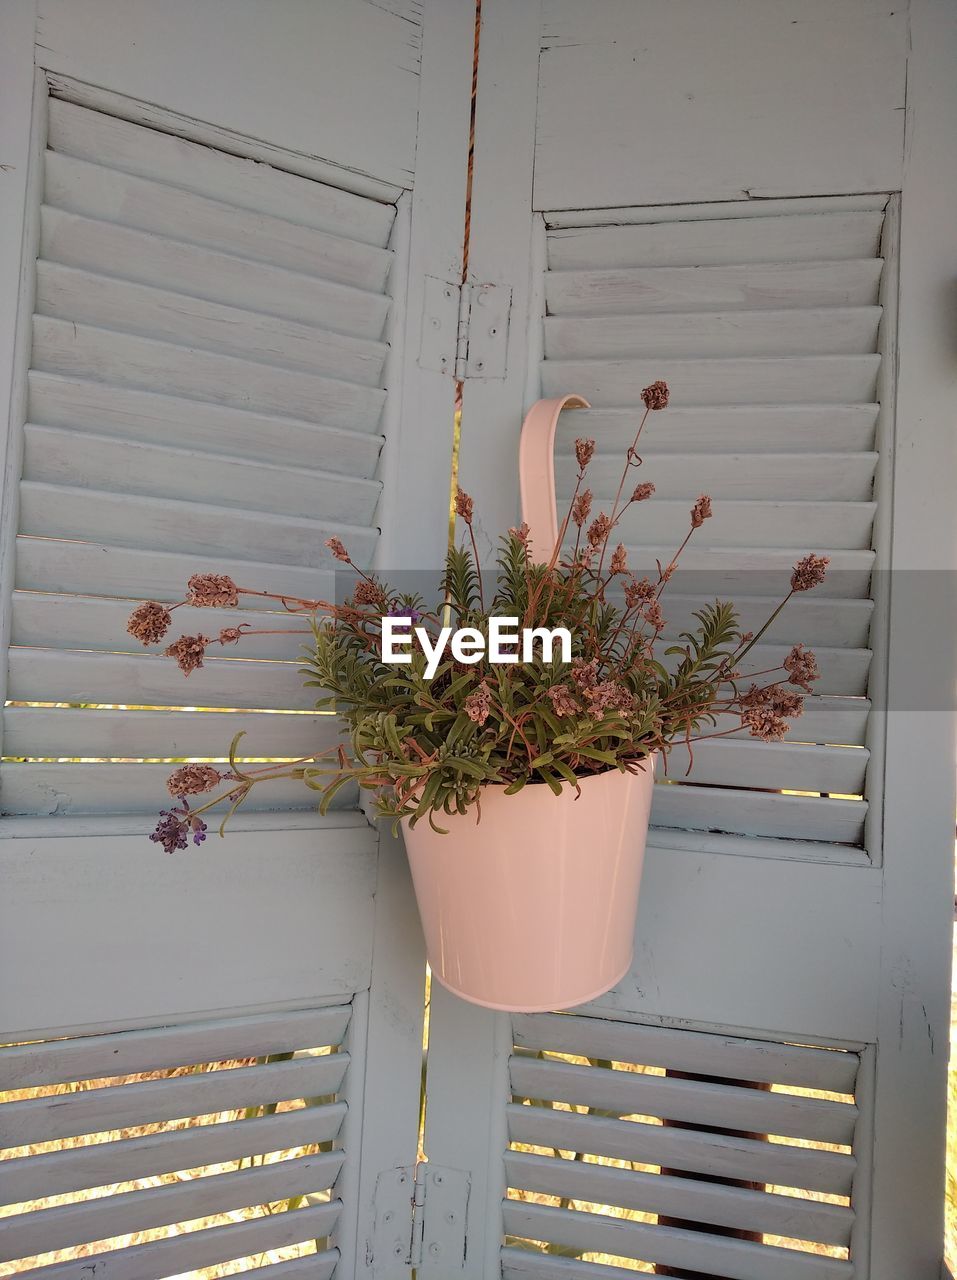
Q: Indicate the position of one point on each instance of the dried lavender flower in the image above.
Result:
(193, 780)
(149, 622)
(801, 666)
(599, 529)
(619, 560)
(212, 591)
(643, 491)
(655, 396)
(478, 704)
(701, 511)
(637, 591)
(464, 506)
(522, 533)
(584, 452)
(563, 703)
(581, 507)
(652, 615)
(230, 635)
(188, 651)
(338, 550)
(585, 674)
(609, 695)
(367, 592)
(809, 572)
(765, 711)
(764, 723)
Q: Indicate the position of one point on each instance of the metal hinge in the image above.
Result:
(419, 1222)
(465, 328)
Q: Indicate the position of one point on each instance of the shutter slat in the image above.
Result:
(831, 525)
(54, 511)
(772, 765)
(84, 622)
(62, 790)
(843, 671)
(47, 1062)
(682, 1197)
(311, 1266)
(59, 346)
(734, 428)
(737, 380)
(847, 477)
(754, 577)
(811, 237)
(709, 1154)
(136, 574)
(630, 291)
(67, 733)
(806, 332)
(99, 192)
(766, 1061)
(106, 1163)
(207, 1248)
(66, 293)
(126, 414)
(748, 813)
(735, 1259)
(77, 458)
(825, 720)
(92, 135)
(151, 259)
(61, 675)
(68, 1225)
(723, 1106)
(148, 1102)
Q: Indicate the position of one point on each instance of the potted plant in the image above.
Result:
(511, 726)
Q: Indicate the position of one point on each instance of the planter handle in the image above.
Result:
(536, 471)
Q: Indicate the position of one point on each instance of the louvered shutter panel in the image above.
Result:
(629, 1142)
(767, 327)
(213, 1123)
(205, 393)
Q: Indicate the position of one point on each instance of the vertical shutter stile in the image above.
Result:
(205, 393)
(766, 325)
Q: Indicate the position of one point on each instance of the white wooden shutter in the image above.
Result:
(205, 393)
(608, 1142)
(218, 1125)
(766, 323)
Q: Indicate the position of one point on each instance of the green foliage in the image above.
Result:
(428, 747)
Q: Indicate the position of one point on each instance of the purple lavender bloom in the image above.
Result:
(413, 614)
(176, 825)
(170, 832)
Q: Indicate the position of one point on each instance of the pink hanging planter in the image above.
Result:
(531, 905)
